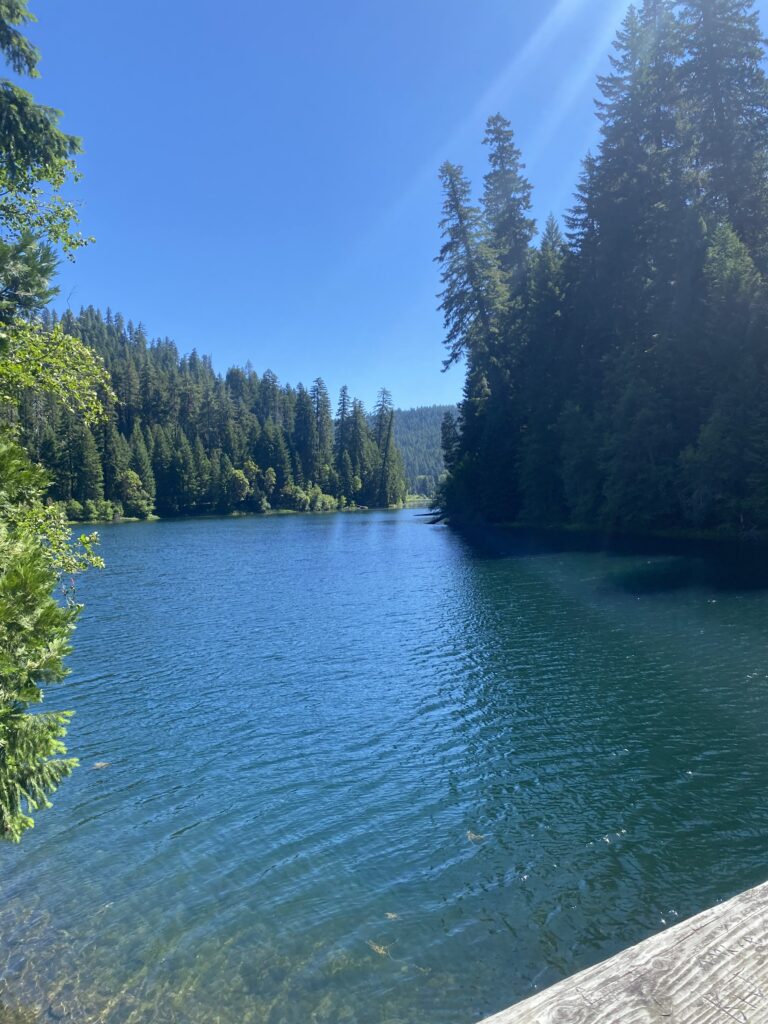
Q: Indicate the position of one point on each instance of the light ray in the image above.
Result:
(571, 89)
(496, 96)
(498, 93)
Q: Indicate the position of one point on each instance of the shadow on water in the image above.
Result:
(674, 564)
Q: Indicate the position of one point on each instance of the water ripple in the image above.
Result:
(362, 773)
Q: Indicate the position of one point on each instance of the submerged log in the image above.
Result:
(711, 969)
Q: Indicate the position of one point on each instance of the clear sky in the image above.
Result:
(261, 177)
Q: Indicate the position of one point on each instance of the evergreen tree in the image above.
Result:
(726, 105)
(449, 434)
(306, 438)
(392, 489)
(382, 418)
(618, 383)
(182, 477)
(208, 494)
(194, 436)
(116, 458)
(140, 460)
(321, 404)
(507, 203)
(544, 384)
(364, 456)
(88, 484)
(473, 299)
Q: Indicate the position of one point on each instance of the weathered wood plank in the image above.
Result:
(712, 969)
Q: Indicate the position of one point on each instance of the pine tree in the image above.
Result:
(473, 299)
(639, 253)
(382, 417)
(507, 203)
(726, 96)
(140, 461)
(306, 439)
(116, 459)
(208, 496)
(544, 382)
(450, 439)
(182, 477)
(88, 482)
(392, 489)
(364, 455)
(343, 420)
(324, 425)
(161, 470)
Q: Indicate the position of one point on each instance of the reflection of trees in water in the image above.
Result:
(674, 563)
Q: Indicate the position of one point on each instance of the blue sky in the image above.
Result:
(261, 177)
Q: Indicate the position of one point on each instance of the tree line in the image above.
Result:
(617, 372)
(179, 439)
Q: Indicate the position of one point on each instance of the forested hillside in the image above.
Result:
(617, 375)
(418, 437)
(182, 440)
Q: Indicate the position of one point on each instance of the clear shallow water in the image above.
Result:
(304, 719)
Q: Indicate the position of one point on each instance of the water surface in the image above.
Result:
(361, 771)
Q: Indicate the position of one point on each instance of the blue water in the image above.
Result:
(362, 771)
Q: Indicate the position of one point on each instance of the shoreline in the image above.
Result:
(418, 502)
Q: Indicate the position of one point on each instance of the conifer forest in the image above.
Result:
(617, 368)
(179, 439)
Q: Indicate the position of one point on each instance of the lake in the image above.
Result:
(362, 770)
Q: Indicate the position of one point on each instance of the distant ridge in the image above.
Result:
(417, 433)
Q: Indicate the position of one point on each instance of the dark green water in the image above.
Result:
(304, 719)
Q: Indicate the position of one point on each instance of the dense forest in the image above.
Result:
(616, 374)
(179, 439)
(418, 433)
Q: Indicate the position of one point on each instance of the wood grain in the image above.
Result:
(712, 969)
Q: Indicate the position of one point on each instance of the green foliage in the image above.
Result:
(39, 363)
(418, 436)
(137, 504)
(36, 157)
(619, 380)
(51, 362)
(507, 202)
(236, 487)
(26, 267)
(35, 553)
(199, 443)
(474, 296)
(34, 639)
(20, 54)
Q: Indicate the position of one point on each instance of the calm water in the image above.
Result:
(312, 721)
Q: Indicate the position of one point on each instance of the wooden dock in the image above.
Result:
(712, 969)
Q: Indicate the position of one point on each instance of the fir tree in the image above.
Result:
(140, 460)
(507, 203)
(306, 439)
(726, 106)
(473, 299)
